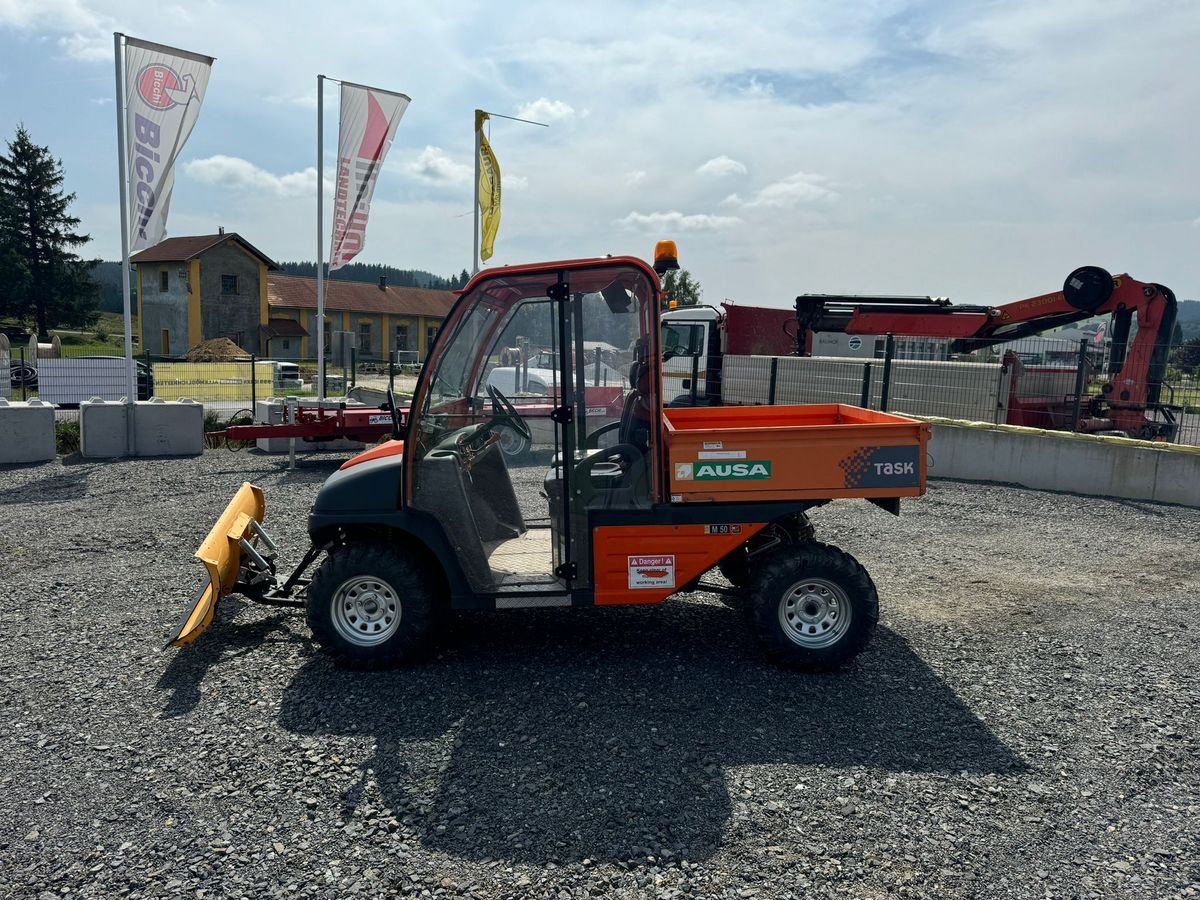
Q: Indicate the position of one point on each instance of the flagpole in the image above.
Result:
(475, 206)
(320, 238)
(130, 377)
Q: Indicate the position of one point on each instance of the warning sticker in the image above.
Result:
(651, 572)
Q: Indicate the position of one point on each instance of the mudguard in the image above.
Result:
(221, 554)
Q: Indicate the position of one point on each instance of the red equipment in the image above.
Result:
(1131, 399)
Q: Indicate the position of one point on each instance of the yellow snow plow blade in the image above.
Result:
(221, 554)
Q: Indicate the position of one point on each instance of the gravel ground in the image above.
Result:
(1024, 724)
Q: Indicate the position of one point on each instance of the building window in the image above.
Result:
(166, 339)
(364, 337)
(229, 284)
(164, 281)
(402, 337)
(430, 333)
(328, 336)
(287, 345)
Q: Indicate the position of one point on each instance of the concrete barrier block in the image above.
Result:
(1177, 479)
(26, 431)
(103, 428)
(162, 428)
(1092, 465)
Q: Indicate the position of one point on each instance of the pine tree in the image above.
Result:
(50, 283)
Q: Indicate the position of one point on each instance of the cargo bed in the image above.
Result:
(811, 452)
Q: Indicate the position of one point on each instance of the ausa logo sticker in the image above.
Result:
(750, 470)
(683, 471)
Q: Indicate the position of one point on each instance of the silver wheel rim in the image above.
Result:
(365, 610)
(511, 443)
(815, 613)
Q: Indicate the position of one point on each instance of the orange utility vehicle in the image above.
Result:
(615, 513)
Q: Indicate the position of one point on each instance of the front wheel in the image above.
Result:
(811, 605)
(370, 607)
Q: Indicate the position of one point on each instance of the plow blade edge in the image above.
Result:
(221, 554)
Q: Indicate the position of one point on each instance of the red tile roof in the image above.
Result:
(286, 328)
(181, 249)
(295, 292)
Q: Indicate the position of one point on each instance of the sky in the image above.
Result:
(978, 150)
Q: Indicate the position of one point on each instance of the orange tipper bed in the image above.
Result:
(821, 451)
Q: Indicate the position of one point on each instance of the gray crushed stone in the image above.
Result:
(1024, 724)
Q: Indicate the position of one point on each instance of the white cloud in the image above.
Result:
(674, 221)
(545, 110)
(634, 178)
(434, 166)
(232, 172)
(514, 182)
(756, 88)
(720, 166)
(87, 37)
(800, 189)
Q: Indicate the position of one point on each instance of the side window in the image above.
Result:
(229, 284)
(164, 281)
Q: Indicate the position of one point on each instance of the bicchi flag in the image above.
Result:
(489, 190)
(164, 88)
(369, 118)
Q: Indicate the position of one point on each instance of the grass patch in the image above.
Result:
(66, 438)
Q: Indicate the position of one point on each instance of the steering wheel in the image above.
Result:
(502, 408)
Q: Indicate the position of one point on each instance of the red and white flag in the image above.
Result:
(164, 88)
(368, 122)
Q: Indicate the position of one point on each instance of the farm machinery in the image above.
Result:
(629, 509)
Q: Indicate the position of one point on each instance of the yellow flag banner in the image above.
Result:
(489, 190)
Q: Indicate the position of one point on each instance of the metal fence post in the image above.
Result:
(771, 386)
(353, 367)
(254, 384)
(865, 401)
(392, 373)
(22, 371)
(889, 348)
(1080, 375)
(596, 374)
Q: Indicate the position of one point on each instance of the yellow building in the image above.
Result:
(375, 319)
(192, 289)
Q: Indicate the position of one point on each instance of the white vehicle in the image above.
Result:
(287, 375)
(517, 382)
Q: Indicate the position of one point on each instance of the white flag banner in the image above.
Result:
(368, 122)
(164, 88)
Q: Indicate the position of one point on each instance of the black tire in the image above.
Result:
(826, 597)
(736, 566)
(370, 607)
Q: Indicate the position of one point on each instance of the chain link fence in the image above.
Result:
(1036, 382)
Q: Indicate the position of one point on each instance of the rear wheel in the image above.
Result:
(370, 607)
(736, 566)
(811, 605)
